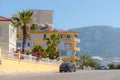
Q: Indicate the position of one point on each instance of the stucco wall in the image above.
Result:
(14, 66)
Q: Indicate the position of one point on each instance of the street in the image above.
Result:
(79, 75)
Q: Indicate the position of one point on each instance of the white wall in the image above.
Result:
(7, 36)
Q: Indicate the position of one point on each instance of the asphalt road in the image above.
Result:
(79, 75)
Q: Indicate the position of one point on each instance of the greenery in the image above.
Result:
(51, 51)
(23, 22)
(52, 46)
(114, 66)
(41, 50)
(86, 60)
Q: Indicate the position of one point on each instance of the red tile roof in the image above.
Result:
(4, 19)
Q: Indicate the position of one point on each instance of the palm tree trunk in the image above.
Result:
(24, 38)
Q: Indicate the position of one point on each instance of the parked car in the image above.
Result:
(103, 68)
(67, 66)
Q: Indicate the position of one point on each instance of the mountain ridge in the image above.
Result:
(103, 41)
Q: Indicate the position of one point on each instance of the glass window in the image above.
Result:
(67, 46)
(19, 44)
(63, 53)
(28, 44)
(35, 36)
(34, 44)
(61, 45)
(68, 36)
(43, 36)
(61, 36)
(44, 44)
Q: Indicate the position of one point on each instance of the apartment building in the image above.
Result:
(41, 16)
(67, 48)
(7, 35)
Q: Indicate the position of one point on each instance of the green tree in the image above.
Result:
(39, 51)
(23, 22)
(92, 63)
(52, 46)
(86, 60)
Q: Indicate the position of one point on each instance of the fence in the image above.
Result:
(28, 58)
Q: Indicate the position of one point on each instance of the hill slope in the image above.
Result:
(101, 41)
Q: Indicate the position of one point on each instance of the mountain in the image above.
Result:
(103, 41)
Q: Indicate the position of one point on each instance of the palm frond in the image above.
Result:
(34, 27)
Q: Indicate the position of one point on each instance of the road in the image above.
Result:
(79, 75)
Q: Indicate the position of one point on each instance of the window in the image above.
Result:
(43, 36)
(61, 36)
(34, 44)
(35, 36)
(63, 53)
(28, 44)
(28, 36)
(68, 36)
(67, 46)
(44, 44)
(19, 44)
(61, 45)
(76, 36)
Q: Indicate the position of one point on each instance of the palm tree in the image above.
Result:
(23, 22)
(52, 46)
(84, 59)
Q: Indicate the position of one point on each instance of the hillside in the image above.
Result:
(103, 41)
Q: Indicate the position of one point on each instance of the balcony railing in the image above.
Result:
(77, 49)
(77, 39)
(72, 39)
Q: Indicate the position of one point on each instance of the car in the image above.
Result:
(103, 68)
(67, 66)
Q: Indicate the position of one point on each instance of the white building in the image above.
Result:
(7, 35)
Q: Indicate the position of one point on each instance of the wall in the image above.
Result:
(14, 66)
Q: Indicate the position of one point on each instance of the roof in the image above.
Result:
(4, 19)
(42, 10)
(58, 31)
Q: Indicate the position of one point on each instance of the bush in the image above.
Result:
(114, 66)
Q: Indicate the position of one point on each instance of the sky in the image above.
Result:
(69, 13)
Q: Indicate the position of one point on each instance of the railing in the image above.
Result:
(28, 58)
(77, 39)
(77, 49)
(72, 39)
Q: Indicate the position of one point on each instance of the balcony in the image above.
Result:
(77, 40)
(77, 49)
(71, 39)
(64, 49)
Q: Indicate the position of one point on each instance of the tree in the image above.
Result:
(39, 51)
(86, 60)
(23, 22)
(52, 46)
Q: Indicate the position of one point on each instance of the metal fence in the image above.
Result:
(28, 58)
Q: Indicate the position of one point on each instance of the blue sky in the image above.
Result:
(69, 13)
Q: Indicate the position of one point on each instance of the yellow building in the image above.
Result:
(45, 17)
(67, 47)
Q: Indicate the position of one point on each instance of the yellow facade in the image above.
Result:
(16, 66)
(68, 39)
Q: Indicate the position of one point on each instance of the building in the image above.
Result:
(7, 35)
(41, 16)
(67, 48)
